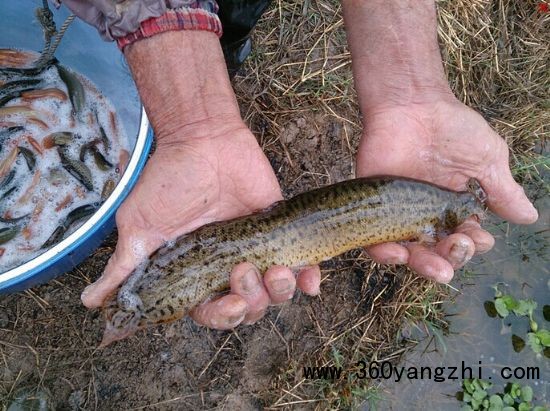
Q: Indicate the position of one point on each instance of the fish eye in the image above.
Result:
(122, 318)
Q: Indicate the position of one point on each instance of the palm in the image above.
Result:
(187, 185)
(445, 143)
(184, 186)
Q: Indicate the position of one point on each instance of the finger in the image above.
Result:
(309, 280)
(223, 313)
(246, 281)
(506, 197)
(129, 252)
(482, 239)
(280, 283)
(388, 253)
(429, 264)
(457, 249)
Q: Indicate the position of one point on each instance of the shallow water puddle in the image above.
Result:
(478, 344)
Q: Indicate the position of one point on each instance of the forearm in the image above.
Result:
(183, 83)
(395, 54)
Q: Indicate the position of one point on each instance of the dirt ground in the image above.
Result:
(296, 94)
(48, 339)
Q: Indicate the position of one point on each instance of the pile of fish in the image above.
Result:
(62, 151)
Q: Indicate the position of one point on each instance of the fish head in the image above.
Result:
(121, 322)
(464, 205)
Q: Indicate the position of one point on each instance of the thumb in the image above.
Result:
(130, 251)
(507, 198)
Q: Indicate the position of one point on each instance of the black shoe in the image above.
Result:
(238, 18)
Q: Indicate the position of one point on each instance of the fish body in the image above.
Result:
(31, 95)
(24, 71)
(18, 110)
(5, 133)
(74, 88)
(12, 96)
(7, 233)
(76, 168)
(18, 85)
(75, 215)
(305, 230)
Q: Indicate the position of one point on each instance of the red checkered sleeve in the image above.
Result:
(185, 18)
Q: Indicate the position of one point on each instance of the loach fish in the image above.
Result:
(74, 87)
(305, 230)
(75, 215)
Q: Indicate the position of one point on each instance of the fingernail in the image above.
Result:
(281, 286)
(250, 282)
(86, 290)
(459, 254)
(236, 319)
(315, 293)
(444, 277)
(90, 288)
(531, 213)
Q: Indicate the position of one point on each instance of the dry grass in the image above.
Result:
(497, 58)
(301, 69)
(496, 55)
(370, 331)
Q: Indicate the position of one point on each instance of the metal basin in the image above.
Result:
(83, 51)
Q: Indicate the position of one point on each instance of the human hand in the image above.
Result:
(220, 174)
(415, 127)
(446, 143)
(207, 167)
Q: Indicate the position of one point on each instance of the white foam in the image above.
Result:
(55, 183)
(138, 249)
(127, 299)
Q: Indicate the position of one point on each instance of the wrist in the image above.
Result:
(426, 100)
(183, 83)
(385, 120)
(393, 93)
(395, 53)
(211, 132)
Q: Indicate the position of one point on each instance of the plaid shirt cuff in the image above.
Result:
(174, 20)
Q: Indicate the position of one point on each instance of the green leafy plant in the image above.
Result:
(475, 396)
(505, 304)
(539, 340)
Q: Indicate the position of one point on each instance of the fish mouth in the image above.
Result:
(120, 321)
(474, 187)
(119, 324)
(471, 205)
(112, 334)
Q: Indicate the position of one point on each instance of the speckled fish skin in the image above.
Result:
(307, 229)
